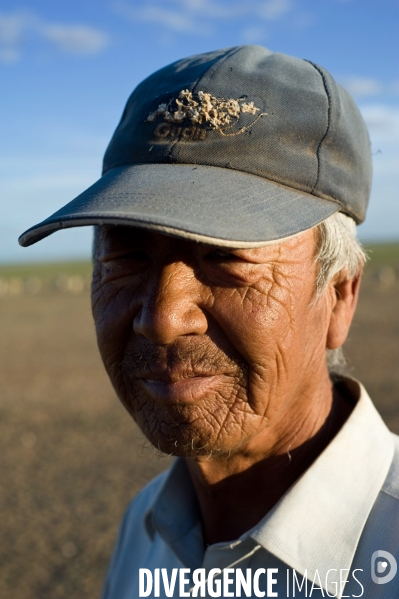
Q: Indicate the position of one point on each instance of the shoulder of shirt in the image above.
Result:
(391, 484)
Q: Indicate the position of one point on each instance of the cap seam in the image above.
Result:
(214, 66)
(323, 78)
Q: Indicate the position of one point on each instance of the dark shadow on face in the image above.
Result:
(203, 344)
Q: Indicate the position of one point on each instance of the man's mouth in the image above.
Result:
(183, 390)
(181, 373)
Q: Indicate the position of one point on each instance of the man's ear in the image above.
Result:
(343, 309)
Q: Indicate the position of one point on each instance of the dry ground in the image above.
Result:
(71, 459)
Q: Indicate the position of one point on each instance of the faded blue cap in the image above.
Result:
(237, 147)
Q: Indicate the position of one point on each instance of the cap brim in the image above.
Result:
(214, 205)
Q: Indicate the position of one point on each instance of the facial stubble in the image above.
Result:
(214, 424)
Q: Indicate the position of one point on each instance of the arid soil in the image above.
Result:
(71, 458)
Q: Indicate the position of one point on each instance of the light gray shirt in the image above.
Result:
(324, 531)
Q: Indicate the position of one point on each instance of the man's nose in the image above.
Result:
(169, 305)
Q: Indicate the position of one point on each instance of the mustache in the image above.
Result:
(186, 357)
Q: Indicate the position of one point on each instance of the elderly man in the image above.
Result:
(226, 268)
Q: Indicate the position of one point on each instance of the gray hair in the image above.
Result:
(338, 251)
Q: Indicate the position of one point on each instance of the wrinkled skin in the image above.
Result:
(218, 352)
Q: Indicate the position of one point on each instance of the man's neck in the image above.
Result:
(235, 492)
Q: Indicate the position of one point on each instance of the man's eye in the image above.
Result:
(220, 256)
(134, 256)
(138, 255)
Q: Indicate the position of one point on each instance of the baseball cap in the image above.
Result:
(238, 147)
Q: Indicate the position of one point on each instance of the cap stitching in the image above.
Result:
(321, 73)
(213, 68)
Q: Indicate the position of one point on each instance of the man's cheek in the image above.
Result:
(113, 329)
(252, 318)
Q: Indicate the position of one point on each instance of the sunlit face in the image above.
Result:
(208, 348)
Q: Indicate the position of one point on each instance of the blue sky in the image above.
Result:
(67, 69)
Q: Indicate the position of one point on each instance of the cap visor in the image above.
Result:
(205, 203)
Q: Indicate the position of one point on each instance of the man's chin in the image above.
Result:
(186, 429)
(185, 439)
(184, 442)
(186, 450)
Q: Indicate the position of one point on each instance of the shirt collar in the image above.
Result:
(317, 524)
(174, 513)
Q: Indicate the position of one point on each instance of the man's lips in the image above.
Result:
(183, 390)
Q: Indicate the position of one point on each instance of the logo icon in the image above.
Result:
(380, 572)
(199, 111)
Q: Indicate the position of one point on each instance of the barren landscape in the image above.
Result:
(71, 458)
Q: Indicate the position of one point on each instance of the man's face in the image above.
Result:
(209, 348)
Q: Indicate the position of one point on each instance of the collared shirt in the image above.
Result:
(324, 531)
